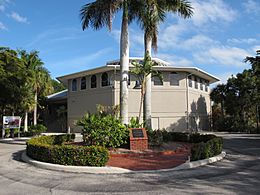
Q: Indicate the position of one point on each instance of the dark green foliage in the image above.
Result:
(203, 146)
(207, 149)
(35, 130)
(57, 86)
(155, 137)
(51, 149)
(236, 103)
(103, 130)
(175, 136)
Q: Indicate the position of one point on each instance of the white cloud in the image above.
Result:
(252, 7)
(224, 55)
(212, 11)
(175, 60)
(2, 26)
(241, 40)
(224, 77)
(18, 18)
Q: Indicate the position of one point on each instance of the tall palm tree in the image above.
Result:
(150, 14)
(38, 79)
(99, 14)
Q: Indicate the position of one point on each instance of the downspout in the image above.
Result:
(187, 101)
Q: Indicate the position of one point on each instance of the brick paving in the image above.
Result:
(151, 160)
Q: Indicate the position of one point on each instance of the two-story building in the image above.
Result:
(180, 102)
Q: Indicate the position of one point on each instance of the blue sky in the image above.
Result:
(216, 39)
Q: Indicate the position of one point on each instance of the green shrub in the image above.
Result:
(35, 130)
(207, 149)
(196, 137)
(175, 136)
(134, 123)
(103, 130)
(51, 149)
(155, 137)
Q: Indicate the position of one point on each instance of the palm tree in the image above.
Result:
(38, 79)
(150, 14)
(141, 71)
(99, 14)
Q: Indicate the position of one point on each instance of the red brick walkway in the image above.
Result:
(151, 160)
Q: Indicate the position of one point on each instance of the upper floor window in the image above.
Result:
(207, 86)
(93, 81)
(174, 79)
(83, 84)
(196, 83)
(74, 85)
(190, 81)
(201, 84)
(104, 79)
(157, 81)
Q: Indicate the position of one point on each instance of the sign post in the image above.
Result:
(11, 122)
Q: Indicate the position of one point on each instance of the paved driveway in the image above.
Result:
(238, 173)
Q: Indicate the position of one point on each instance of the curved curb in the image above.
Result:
(198, 163)
(114, 170)
(74, 169)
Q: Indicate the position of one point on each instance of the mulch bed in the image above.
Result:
(168, 156)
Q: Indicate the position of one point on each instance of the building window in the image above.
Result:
(83, 83)
(157, 81)
(104, 80)
(190, 81)
(207, 86)
(174, 79)
(74, 85)
(196, 83)
(93, 81)
(201, 84)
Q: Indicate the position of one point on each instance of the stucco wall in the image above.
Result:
(169, 103)
(82, 101)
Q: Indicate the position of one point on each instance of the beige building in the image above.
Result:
(179, 103)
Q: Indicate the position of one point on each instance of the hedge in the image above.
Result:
(207, 149)
(203, 146)
(52, 149)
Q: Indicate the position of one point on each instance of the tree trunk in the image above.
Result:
(148, 88)
(25, 122)
(35, 110)
(124, 66)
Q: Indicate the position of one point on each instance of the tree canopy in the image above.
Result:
(237, 102)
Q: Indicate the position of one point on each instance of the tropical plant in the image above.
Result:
(141, 70)
(38, 77)
(150, 13)
(100, 13)
(239, 100)
(103, 130)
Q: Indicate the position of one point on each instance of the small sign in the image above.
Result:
(11, 122)
(137, 133)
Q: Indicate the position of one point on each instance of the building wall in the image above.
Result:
(169, 103)
(83, 101)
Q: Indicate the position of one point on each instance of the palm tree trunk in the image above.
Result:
(35, 109)
(124, 68)
(25, 122)
(148, 88)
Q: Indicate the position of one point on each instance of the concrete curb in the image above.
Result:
(74, 169)
(198, 163)
(116, 170)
